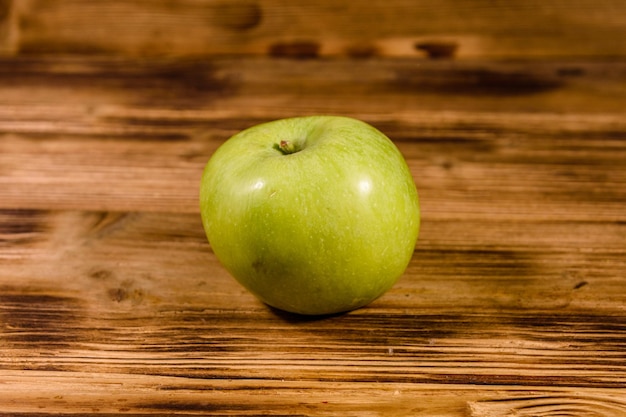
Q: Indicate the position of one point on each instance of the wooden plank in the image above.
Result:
(112, 302)
(287, 87)
(477, 28)
(135, 395)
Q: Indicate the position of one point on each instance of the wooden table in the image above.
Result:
(112, 302)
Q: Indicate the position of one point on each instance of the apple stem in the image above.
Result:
(286, 147)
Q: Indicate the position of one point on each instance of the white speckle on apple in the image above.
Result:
(259, 184)
(365, 186)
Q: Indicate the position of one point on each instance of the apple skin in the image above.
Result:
(314, 215)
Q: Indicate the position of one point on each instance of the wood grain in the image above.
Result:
(271, 87)
(476, 28)
(112, 302)
(511, 118)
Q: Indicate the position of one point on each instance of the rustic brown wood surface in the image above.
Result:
(484, 28)
(511, 115)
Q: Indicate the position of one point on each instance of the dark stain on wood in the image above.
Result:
(21, 226)
(238, 15)
(553, 404)
(5, 10)
(127, 290)
(571, 71)
(190, 76)
(33, 318)
(476, 81)
(197, 406)
(100, 274)
(295, 49)
(178, 82)
(362, 50)
(520, 380)
(438, 49)
(598, 330)
(580, 285)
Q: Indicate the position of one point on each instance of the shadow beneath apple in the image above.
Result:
(294, 318)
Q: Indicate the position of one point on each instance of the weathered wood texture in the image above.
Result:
(111, 301)
(474, 28)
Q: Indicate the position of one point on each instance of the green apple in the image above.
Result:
(314, 215)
